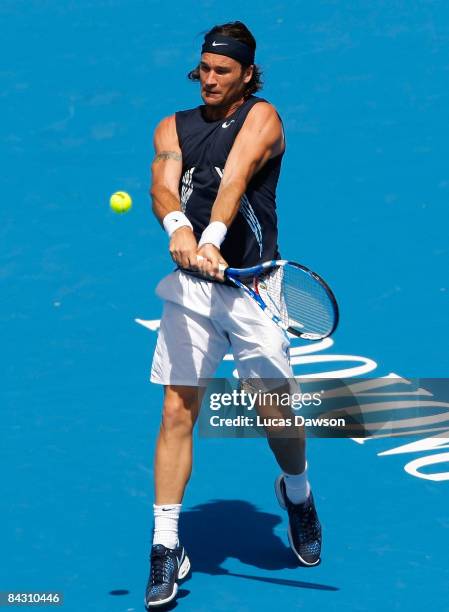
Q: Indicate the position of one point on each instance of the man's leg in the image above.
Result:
(173, 466)
(261, 352)
(288, 443)
(173, 458)
(189, 348)
(292, 486)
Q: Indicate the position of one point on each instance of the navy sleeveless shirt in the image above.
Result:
(205, 146)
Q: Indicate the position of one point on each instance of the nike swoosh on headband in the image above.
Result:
(215, 44)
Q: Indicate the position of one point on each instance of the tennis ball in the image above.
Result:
(120, 202)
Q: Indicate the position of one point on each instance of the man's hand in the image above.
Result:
(210, 262)
(183, 248)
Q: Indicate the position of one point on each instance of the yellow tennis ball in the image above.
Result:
(120, 202)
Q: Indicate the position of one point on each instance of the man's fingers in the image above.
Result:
(206, 266)
(180, 258)
(209, 262)
(175, 257)
(183, 247)
(192, 260)
(212, 266)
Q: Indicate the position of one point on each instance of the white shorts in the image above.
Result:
(201, 321)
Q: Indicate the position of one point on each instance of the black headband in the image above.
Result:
(225, 45)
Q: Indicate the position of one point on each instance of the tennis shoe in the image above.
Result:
(168, 566)
(304, 529)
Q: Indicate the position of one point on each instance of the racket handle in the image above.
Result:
(221, 267)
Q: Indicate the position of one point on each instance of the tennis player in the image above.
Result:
(214, 178)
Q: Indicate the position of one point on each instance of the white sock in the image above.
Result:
(297, 487)
(166, 524)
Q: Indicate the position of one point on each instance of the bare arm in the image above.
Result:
(166, 173)
(166, 169)
(260, 139)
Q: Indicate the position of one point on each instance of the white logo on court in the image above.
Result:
(215, 44)
(227, 123)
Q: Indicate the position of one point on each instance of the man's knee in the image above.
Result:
(180, 409)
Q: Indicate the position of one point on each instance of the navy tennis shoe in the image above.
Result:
(304, 529)
(168, 566)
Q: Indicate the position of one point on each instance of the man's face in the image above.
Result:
(222, 79)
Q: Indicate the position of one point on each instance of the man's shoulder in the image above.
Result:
(263, 108)
(170, 120)
(166, 124)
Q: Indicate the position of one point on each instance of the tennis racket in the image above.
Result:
(294, 297)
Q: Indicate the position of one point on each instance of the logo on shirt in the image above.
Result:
(215, 44)
(227, 123)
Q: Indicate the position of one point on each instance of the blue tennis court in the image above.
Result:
(363, 199)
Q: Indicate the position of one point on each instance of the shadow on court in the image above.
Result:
(222, 529)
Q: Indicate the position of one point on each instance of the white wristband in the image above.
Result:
(214, 234)
(174, 220)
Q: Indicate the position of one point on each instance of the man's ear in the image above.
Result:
(248, 74)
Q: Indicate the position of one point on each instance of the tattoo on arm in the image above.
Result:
(164, 155)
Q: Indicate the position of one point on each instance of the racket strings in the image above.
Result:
(298, 299)
(270, 290)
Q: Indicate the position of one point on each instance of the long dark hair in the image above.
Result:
(238, 31)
